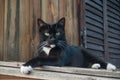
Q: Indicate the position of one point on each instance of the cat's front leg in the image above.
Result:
(28, 66)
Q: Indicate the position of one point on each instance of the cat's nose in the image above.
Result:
(52, 40)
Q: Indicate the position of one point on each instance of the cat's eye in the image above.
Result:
(47, 34)
(58, 33)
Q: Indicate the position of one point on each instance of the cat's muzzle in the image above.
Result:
(52, 43)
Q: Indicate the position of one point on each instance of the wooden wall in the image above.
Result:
(18, 28)
(1, 27)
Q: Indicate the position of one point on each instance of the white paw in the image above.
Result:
(26, 69)
(96, 66)
(111, 67)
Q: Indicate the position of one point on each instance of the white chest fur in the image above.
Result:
(47, 50)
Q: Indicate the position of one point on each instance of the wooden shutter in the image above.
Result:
(113, 19)
(94, 27)
(102, 29)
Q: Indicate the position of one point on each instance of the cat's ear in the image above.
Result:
(40, 23)
(62, 21)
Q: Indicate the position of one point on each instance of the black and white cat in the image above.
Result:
(53, 50)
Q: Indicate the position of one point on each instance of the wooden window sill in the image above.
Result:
(11, 70)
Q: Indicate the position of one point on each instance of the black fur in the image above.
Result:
(62, 54)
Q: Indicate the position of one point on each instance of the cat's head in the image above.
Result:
(52, 34)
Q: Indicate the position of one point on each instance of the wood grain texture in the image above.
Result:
(24, 35)
(5, 31)
(48, 75)
(11, 30)
(11, 33)
(68, 9)
(2, 7)
(35, 12)
(7, 77)
(57, 73)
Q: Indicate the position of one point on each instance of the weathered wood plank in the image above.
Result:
(5, 31)
(69, 21)
(2, 7)
(24, 36)
(76, 34)
(45, 9)
(7, 77)
(54, 9)
(59, 73)
(11, 64)
(67, 8)
(49, 75)
(62, 8)
(70, 70)
(51, 8)
(13, 31)
(35, 13)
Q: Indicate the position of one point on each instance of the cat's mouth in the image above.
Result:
(60, 44)
(51, 45)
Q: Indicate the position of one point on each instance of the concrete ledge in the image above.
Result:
(11, 69)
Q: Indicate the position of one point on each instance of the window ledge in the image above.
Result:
(11, 70)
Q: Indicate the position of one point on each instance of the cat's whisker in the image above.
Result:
(38, 50)
(65, 44)
(63, 41)
(44, 43)
(40, 47)
(61, 45)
